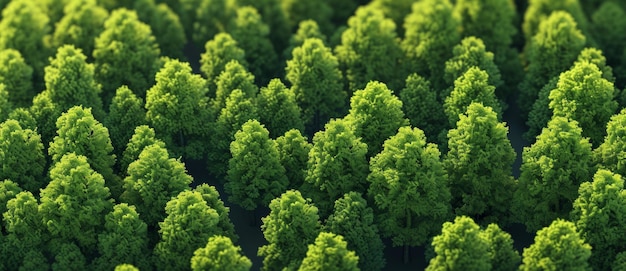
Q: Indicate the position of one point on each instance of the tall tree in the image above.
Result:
(608, 154)
(68, 256)
(409, 188)
(26, 233)
(329, 252)
(539, 10)
(234, 76)
(396, 10)
(43, 110)
(220, 254)
(126, 112)
(82, 23)
(608, 17)
(217, 53)
(292, 224)
(275, 18)
(503, 256)
(471, 87)
(297, 11)
(422, 107)
(8, 190)
(307, 29)
(278, 109)
(165, 25)
(293, 153)
(22, 158)
(142, 137)
(208, 18)
(224, 226)
(17, 77)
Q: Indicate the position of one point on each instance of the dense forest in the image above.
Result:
(312, 135)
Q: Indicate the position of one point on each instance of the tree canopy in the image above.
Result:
(329, 252)
(221, 255)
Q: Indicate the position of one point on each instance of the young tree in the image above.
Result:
(460, 246)
(234, 76)
(152, 180)
(479, 165)
(608, 17)
(217, 53)
(608, 154)
(557, 247)
(278, 109)
(24, 118)
(25, 230)
(409, 188)
(68, 256)
(471, 87)
(220, 254)
(82, 23)
(422, 108)
(329, 252)
(43, 110)
(142, 137)
(125, 113)
(298, 11)
(552, 170)
(255, 175)
(17, 77)
(396, 10)
(540, 10)
(292, 224)
(293, 153)
(165, 25)
(275, 18)
(5, 106)
(503, 256)
(354, 220)
(369, 50)
(189, 223)
(307, 29)
(22, 158)
(8, 191)
(540, 113)
(316, 81)
(375, 115)
(224, 226)
(208, 18)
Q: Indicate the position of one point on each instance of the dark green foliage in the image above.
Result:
(255, 175)
(44, 111)
(82, 23)
(152, 180)
(503, 256)
(5, 105)
(233, 76)
(22, 157)
(35, 261)
(278, 109)
(408, 185)
(307, 29)
(54, 9)
(275, 18)
(540, 10)
(292, 224)
(354, 220)
(26, 232)
(8, 190)
(142, 137)
(375, 115)
(620, 262)
(220, 254)
(217, 53)
(165, 25)
(606, 19)
(396, 10)
(67, 256)
(17, 77)
(540, 113)
(471, 87)
(422, 108)
(293, 152)
(329, 252)
(297, 11)
(224, 226)
(125, 113)
(552, 170)
(608, 154)
(557, 247)
(208, 17)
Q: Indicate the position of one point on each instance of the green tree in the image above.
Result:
(293, 153)
(369, 50)
(608, 17)
(337, 164)
(177, 108)
(598, 213)
(375, 115)
(460, 246)
(220, 254)
(126, 267)
(503, 256)
(255, 175)
(22, 158)
(609, 154)
(557, 247)
(125, 53)
(224, 226)
(422, 108)
(217, 53)
(409, 188)
(620, 262)
(5, 105)
(17, 77)
(549, 52)
(8, 191)
(292, 224)
(142, 137)
(189, 223)
(165, 25)
(82, 23)
(275, 18)
(124, 239)
(396, 10)
(552, 170)
(210, 17)
(329, 252)
(540, 10)
(24, 118)
(152, 180)
(297, 11)
(354, 220)
(43, 110)
(479, 165)
(25, 230)
(541, 113)
(307, 29)
(234, 76)
(68, 256)
(278, 109)
(74, 203)
(316, 80)
(126, 112)
(54, 9)
(471, 87)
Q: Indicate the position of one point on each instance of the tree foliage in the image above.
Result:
(26, 232)
(293, 153)
(126, 112)
(540, 10)
(22, 158)
(207, 18)
(8, 191)
(471, 87)
(329, 252)
(220, 254)
(217, 53)
(609, 154)
(421, 106)
(142, 137)
(224, 226)
(165, 25)
(278, 109)
(82, 23)
(17, 77)
(234, 76)
(503, 255)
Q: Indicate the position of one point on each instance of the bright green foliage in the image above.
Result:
(479, 165)
(165, 25)
(557, 247)
(375, 115)
(71, 82)
(293, 224)
(583, 95)
(8, 190)
(431, 33)
(67, 256)
(142, 137)
(408, 185)
(5, 105)
(307, 29)
(25, 119)
(234, 76)
(189, 223)
(125, 53)
(24, 26)
(460, 246)
(606, 19)
(293, 153)
(126, 267)
(595, 56)
(239, 109)
(53, 8)
(552, 170)
(152, 180)
(218, 52)
(74, 203)
(25, 229)
(278, 109)
(78, 132)
(599, 216)
(329, 252)
(421, 106)
(369, 50)
(224, 226)
(551, 51)
(610, 154)
(317, 83)
(471, 87)
(471, 52)
(503, 256)
(337, 164)
(124, 239)
(354, 220)
(125, 113)
(540, 10)
(396, 10)
(220, 254)
(82, 23)
(211, 17)
(22, 157)
(17, 77)
(297, 11)
(275, 18)
(44, 111)
(255, 175)
(251, 35)
(540, 113)
(177, 108)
